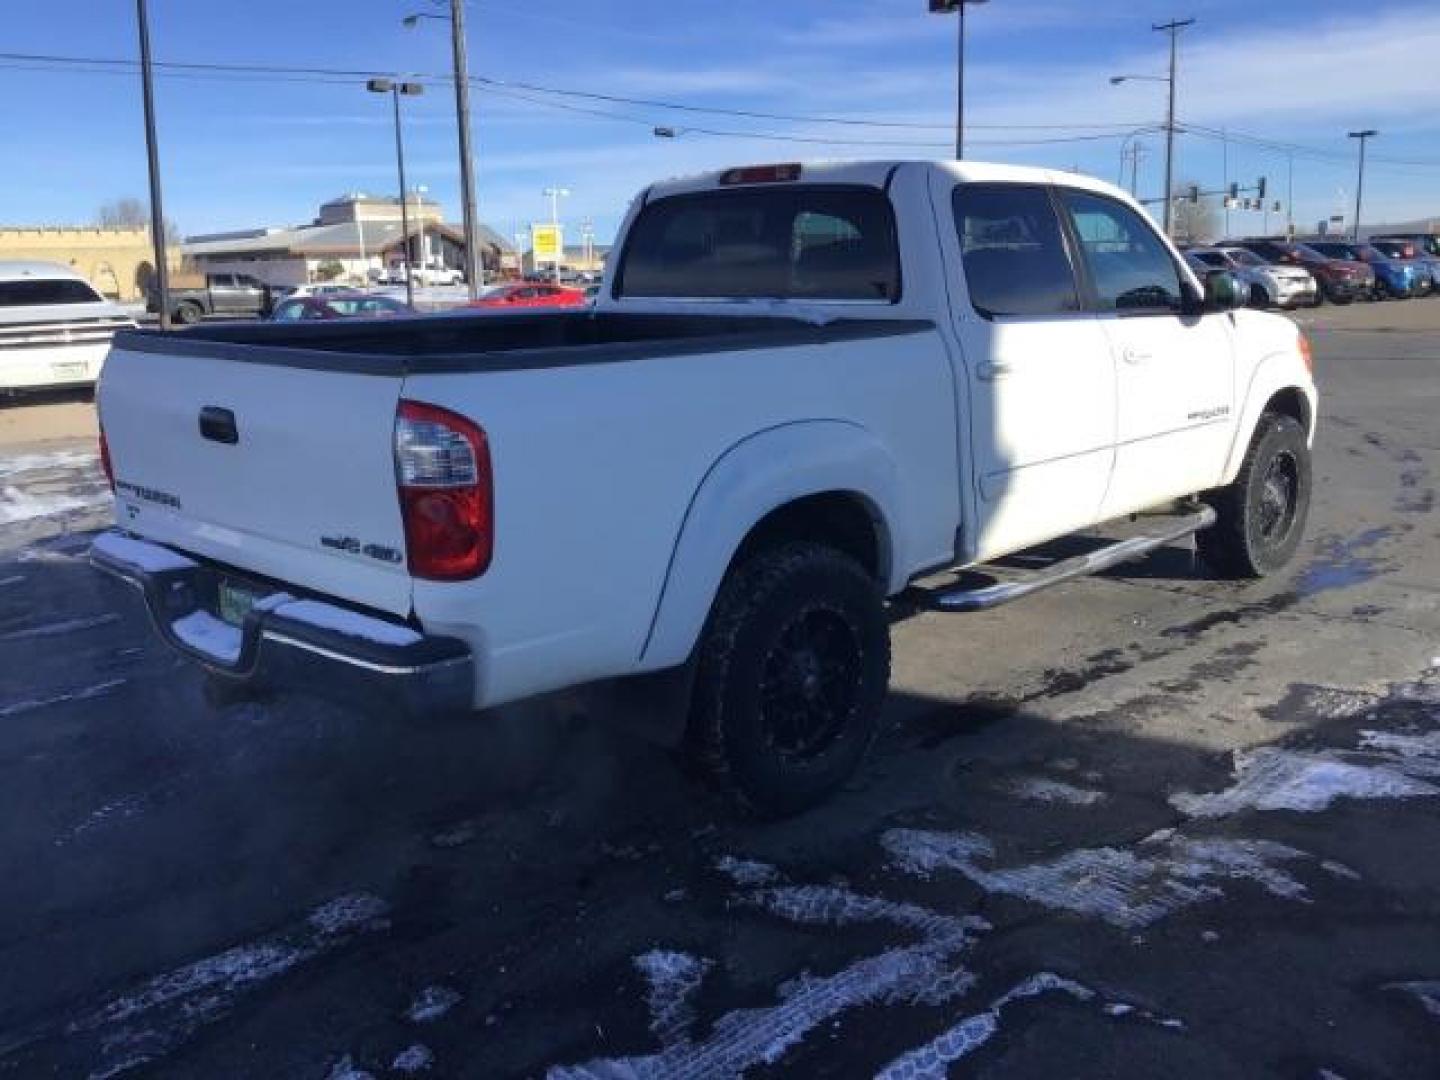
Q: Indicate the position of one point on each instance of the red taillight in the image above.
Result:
(1303, 344)
(442, 470)
(105, 460)
(761, 174)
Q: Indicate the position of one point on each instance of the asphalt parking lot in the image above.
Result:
(1143, 824)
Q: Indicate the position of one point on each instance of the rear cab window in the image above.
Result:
(796, 242)
(39, 292)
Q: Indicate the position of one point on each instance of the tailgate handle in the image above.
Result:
(218, 425)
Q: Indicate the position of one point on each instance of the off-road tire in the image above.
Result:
(1261, 515)
(797, 644)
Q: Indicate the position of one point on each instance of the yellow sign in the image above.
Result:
(547, 242)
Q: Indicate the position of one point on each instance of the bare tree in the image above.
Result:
(1193, 222)
(131, 213)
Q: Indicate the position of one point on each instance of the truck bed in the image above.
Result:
(487, 341)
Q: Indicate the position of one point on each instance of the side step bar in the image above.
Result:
(1122, 551)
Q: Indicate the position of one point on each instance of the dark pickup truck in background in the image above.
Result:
(222, 294)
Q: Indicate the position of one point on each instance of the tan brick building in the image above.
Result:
(118, 262)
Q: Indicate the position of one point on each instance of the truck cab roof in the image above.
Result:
(876, 173)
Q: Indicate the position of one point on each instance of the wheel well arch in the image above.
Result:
(845, 520)
(1292, 403)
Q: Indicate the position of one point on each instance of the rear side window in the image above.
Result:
(1013, 252)
(40, 291)
(792, 242)
(1130, 266)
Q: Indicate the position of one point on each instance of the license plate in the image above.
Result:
(235, 601)
(68, 369)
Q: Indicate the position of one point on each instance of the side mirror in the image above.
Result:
(1223, 291)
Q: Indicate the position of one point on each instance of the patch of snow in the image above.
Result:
(1427, 992)
(84, 693)
(432, 1003)
(1271, 778)
(456, 835)
(125, 807)
(16, 464)
(1127, 888)
(17, 505)
(671, 981)
(1042, 789)
(64, 626)
(345, 1069)
(933, 1060)
(350, 623)
(1339, 869)
(746, 871)
(748, 1038)
(209, 635)
(413, 1059)
(1419, 754)
(142, 1026)
(142, 555)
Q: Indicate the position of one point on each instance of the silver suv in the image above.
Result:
(1269, 284)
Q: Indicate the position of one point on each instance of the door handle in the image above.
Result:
(1136, 356)
(218, 425)
(996, 369)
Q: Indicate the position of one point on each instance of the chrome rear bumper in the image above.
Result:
(286, 641)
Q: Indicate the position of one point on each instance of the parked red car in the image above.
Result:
(529, 295)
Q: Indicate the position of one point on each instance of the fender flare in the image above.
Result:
(758, 474)
(1278, 371)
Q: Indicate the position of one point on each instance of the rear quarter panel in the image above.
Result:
(596, 466)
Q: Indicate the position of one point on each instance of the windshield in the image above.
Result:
(1246, 258)
(1335, 251)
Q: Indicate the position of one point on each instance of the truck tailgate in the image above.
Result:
(301, 490)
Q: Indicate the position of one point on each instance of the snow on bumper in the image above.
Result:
(285, 642)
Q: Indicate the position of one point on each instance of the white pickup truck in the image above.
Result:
(801, 389)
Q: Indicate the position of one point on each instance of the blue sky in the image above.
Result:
(240, 152)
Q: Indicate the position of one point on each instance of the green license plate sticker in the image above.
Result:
(236, 602)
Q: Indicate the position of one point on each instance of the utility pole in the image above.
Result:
(152, 149)
(945, 7)
(1172, 28)
(474, 262)
(1368, 133)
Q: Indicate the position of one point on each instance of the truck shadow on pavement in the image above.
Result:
(292, 888)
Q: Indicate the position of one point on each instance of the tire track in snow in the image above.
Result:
(149, 1021)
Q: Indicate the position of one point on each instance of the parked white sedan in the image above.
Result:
(55, 329)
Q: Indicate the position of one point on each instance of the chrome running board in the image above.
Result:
(1004, 592)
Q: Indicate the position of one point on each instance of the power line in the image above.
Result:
(327, 74)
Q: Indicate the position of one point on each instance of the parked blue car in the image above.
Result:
(1405, 249)
(1398, 278)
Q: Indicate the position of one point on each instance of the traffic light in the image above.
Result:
(1234, 191)
(1260, 189)
(1194, 193)
(943, 7)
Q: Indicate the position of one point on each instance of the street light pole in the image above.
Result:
(945, 7)
(1368, 133)
(555, 194)
(395, 88)
(152, 150)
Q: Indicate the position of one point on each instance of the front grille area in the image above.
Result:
(54, 333)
